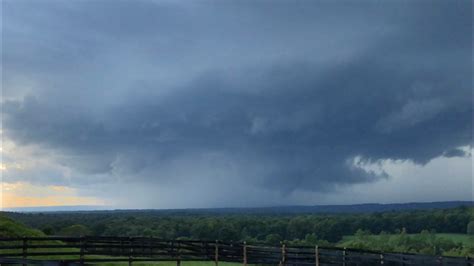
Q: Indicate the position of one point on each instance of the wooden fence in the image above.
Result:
(93, 250)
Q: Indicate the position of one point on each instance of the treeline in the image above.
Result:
(270, 229)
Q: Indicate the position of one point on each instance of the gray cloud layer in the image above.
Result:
(282, 96)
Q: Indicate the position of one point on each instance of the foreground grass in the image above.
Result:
(173, 263)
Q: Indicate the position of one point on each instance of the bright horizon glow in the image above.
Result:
(23, 194)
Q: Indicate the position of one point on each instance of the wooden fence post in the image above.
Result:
(25, 249)
(316, 255)
(281, 262)
(283, 254)
(216, 253)
(81, 252)
(130, 251)
(344, 257)
(178, 252)
(245, 253)
(204, 247)
(171, 249)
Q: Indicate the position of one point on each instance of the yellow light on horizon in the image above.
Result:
(12, 201)
(22, 194)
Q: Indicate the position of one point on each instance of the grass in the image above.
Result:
(465, 239)
(10, 228)
(173, 263)
(457, 245)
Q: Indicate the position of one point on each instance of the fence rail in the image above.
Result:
(92, 250)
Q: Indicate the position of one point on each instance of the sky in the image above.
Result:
(189, 104)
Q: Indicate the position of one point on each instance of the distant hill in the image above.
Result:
(10, 228)
(356, 208)
(367, 208)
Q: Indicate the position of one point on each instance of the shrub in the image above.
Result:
(470, 228)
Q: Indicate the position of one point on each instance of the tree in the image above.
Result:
(99, 229)
(75, 230)
(48, 230)
(228, 233)
(470, 228)
(273, 239)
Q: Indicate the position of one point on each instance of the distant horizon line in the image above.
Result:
(54, 208)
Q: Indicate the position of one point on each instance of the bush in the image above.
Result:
(75, 230)
(470, 228)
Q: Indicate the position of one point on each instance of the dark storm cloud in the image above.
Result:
(291, 96)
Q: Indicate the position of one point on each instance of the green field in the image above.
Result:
(466, 240)
(423, 243)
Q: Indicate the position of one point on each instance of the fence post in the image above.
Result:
(204, 246)
(316, 255)
(281, 262)
(178, 251)
(171, 248)
(81, 253)
(283, 254)
(344, 257)
(245, 253)
(122, 251)
(130, 251)
(216, 253)
(25, 249)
